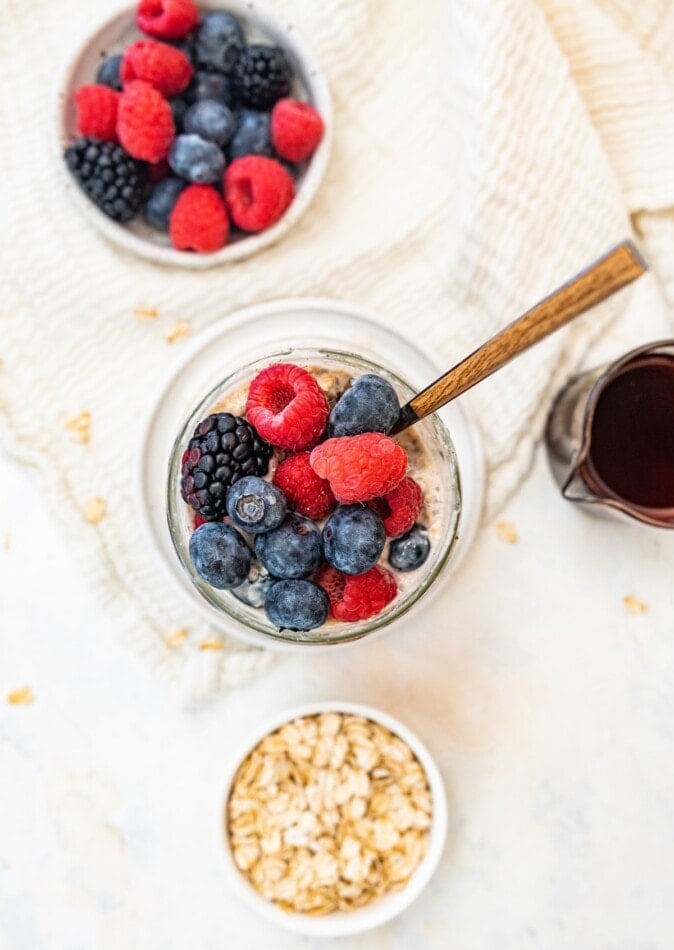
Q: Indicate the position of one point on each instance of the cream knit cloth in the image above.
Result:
(485, 150)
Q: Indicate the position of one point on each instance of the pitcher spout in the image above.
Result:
(577, 489)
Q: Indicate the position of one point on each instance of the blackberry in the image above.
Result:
(108, 175)
(261, 75)
(222, 450)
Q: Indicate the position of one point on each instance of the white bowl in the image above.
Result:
(381, 910)
(137, 236)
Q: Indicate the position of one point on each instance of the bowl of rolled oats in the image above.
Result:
(334, 819)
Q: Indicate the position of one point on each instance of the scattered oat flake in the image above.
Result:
(146, 313)
(6, 542)
(175, 639)
(79, 426)
(634, 605)
(94, 510)
(178, 331)
(23, 696)
(507, 532)
(211, 645)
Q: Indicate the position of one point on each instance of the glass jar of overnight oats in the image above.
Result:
(432, 463)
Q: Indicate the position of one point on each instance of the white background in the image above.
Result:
(549, 706)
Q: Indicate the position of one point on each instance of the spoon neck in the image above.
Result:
(406, 419)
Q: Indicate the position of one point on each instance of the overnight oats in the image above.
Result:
(295, 512)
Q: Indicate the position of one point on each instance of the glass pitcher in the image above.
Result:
(610, 437)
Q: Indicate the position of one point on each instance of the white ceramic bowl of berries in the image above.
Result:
(194, 134)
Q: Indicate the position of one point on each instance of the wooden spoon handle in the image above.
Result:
(618, 267)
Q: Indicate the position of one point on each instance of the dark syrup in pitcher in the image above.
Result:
(632, 439)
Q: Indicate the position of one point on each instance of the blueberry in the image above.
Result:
(161, 202)
(253, 591)
(211, 120)
(185, 44)
(108, 72)
(296, 605)
(255, 505)
(220, 555)
(219, 41)
(179, 108)
(291, 550)
(209, 86)
(353, 539)
(195, 159)
(252, 136)
(369, 405)
(409, 552)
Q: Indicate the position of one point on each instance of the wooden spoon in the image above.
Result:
(619, 267)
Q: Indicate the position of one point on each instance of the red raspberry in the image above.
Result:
(144, 122)
(199, 220)
(159, 171)
(163, 66)
(296, 129)
(198, 521)
(356, 598)
(257, 190)
(287, 406)
(97, 112)
(167, 19)
(360, 467)
(306, 492)
(399, 509)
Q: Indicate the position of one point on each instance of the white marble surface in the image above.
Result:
(549, 706)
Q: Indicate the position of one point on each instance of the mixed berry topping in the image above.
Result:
(255, 505)
(222, 450)
(303, 533)
(360, 467)
(411, 551)
(287, 406)
(370, 405)
(305, 491)
(220, 555)
(292, 550)
(296, 605)
(193, 91)
(358, 597)
(399, 508)
(353, 539)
